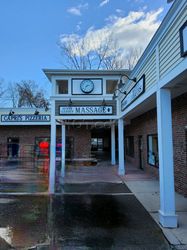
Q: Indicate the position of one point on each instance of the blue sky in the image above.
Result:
(30, 29)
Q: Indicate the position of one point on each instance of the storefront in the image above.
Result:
(146, 107)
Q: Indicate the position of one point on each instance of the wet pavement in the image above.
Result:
(23, 176)
(116, 220)
(95, 188)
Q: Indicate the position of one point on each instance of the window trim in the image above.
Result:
(153, 165)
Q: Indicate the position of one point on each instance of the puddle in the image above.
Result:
(77, 222)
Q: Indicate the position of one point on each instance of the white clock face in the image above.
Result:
(87, 86)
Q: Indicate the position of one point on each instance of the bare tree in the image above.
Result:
(77, 54)
(2, 91)
(12, 94)
(26, 94)
(132, 57)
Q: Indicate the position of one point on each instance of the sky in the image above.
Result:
(31, 30)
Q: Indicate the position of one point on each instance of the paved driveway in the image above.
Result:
(105, 217)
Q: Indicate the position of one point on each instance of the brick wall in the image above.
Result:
(143, 125)
(27, 134)
(179, 108)
(147, 124)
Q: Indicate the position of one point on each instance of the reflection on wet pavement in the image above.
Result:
(23, 176)
(77, 222)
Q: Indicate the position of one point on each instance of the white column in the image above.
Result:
(121, 168)
(113, 145)
(63, 150)
(52, 151)
(167, 216)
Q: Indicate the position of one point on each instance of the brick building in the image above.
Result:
(147, 107)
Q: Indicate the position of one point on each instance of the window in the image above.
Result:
(111, 86)
(62, 86)
(129, 146)
(69, 150)
(97, 144)
(42, 147)
(152, 148)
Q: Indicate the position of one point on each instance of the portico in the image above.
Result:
(112, 126)
(84, 100)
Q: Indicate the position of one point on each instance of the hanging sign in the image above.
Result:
(135, 92)
(86, 110)
(183, 39)
(25, 118)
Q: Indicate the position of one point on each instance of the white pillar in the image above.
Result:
(121, 169)
(113, 145)
(52, 169)
(63, 150)
(167, 216)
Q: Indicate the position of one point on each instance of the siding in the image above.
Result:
(169, 47)
(149, 69)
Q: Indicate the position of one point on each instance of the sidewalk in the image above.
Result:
(146, 189)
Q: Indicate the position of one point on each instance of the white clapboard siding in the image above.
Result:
(149, 69)
(169, 46)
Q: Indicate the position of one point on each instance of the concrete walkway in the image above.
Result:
(146, 189)
(147, 192)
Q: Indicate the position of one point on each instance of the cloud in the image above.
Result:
(104, 2)
(78, 26)
(133, 31)
(119, 11)
(76, 10)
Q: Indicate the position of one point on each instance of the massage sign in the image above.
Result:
(86, 110)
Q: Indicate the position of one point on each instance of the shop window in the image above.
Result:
(62, 86)
(152, 147)
(42, 147)
(111, 86)
(69, 147)
(129, 146)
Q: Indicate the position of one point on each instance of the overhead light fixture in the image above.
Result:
(70, 102)
(103, 102)
(115, 95)
(36, 112)
(121, 83)
(11, 112)
(46, 108)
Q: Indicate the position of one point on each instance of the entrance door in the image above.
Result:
(140, 149)
(13, 147)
